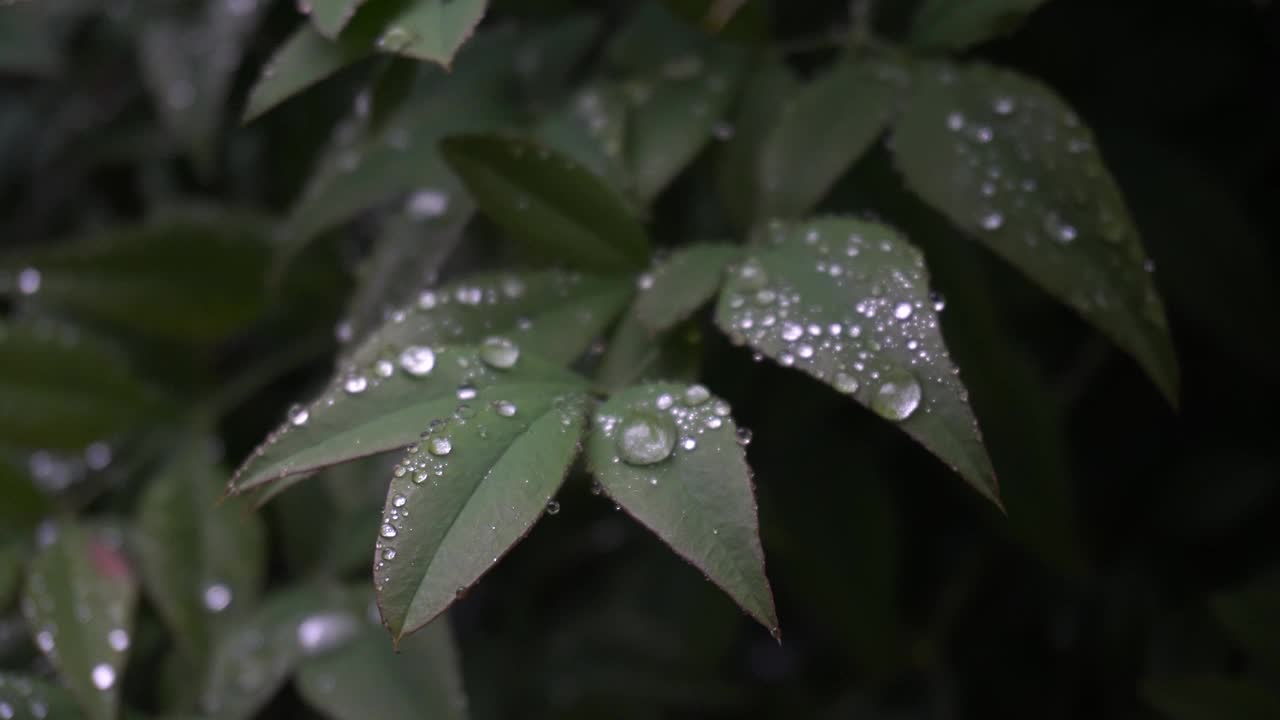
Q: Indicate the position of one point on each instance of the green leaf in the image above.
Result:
(756, 114)
(553, 314)
(12, 555)
(79, 601)
(549, 56)
(591, 129)
(1211, 698)
(64, 389)
(673, 113)
(431, 30)
(470, 492)
(1005, 159)
(822, 131)
(305, 59)
(1249, 615)
(197, 558)
(421, 678)
(958, 24)
(253, 660)
(848, 302)
(186, 275)
(331, 16)
(549, 202)
(669, 455)
(366, 412)
(683, 283)
(634, 353)
(26, 698)
(651, 36)
(24, 504)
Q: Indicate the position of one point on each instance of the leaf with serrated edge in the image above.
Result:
(549, 202)
(1008, 161)
(388, 410)
(468, 493)
(197, 558)
(848, 302)
(30, 699)
(421, 678)
(822, 131)
(79, 602)
(681, 284)
(698, 499)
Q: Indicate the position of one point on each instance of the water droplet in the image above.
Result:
(466, 392)
(398, 501)
(298, 415)
(97, 456)
(846, 383)
(418, 360)
(499, 352)
(324, 631)
(752, 275)
(955, 121)
(426, 203)
(664, 401)
(689, 443)
(645, 281)
(744, 436)
(897, 396)
(104, 676)
(387, 531)
(992, 221)
(646, 438)
(553, 507)
(29, 281)
(44, 641)
(355, 384)
(791, 331)
(217, 597)
(505, 408)
(439, 445)
(389, 554)
(395, 38)
(118, 639)
(1004, 105)
(696, 395)
(384, 369)
(902, 310)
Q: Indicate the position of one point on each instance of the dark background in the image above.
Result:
(901, 593)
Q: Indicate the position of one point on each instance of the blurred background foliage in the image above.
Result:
(1136, 574)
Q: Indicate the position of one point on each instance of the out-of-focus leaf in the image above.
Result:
(1005, 159)
(12, 554)
(682, 283)
(673, 113)
(958, 24)
(549, 202)
(24, 504)
(370, 412)
(431, 30)
(755, 116)
(64, 389)
(420, 678)
(188, 63)
(1252, 616)
(31, 37)
(305, 59)
(732, 17)
(79, 601)
(591, 129)
(26, 698)
(550, 55)
(552, 314)
(823, 129)
(651, 37)
(634, 353)
(670, 456)
(1211, 698)
(848, 302)
(331, 16)
(198, 558)
(187, 275)
(254, 659)
(479, 481)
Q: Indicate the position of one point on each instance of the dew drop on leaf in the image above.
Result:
(103, 676)
(696, 395)
(897, 396)
(418, 361)
(553, 507)
(645, 438)
(299, 415)
(355, 384)
(440, 445)
(846, 383)
(499, 352)
(387, 531)
(505, 408)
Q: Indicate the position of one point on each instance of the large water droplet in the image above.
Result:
(696, 395)
(499, 352)
(440, 445)
(417, 360)
(645, 438)
(897, 396)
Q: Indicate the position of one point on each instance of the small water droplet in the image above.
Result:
(902, 310)
(664, 401)
(217, 597)
(505, 408)
(118, 639)
(992, 221)
(440, 445)
(388, 530)
(791, 331)
(426, 203)
(418, 360)
(846, 383)
(645, 438)
(553, 507)
(389, 554)
(645, 281)
(696, 395)
(398, 501)
(29, 281)
(897, 396)
(104, 676)
(499, 352)
(355, 384)
(689, 443)
(395, 39)
(384, 369)
(298, 415)
(466, 391)
(744, 436)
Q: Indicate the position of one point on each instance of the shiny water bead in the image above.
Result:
(499, 352)
(645, 438)
(417, 360)
(696, 395)
(897, 396)
(355, 384)
(440, 445)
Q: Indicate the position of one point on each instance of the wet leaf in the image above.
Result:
(848, 302)
(635, 353)
(550, 55)
(63, 389)
(305, 59)
(670, 456)
(26, 698)
(331, 16)
(201, 560)
(431, 30)
(672, 114)
(1005, 159)
(192, 274)
(682, 283)
(958, 24)
(79, 602)
(755, 116)
(552, 314)
(651, 36)
(549, 202)
(254, 659)
(468, 493)
(1211, 698)
(591, 129)
(364, 413)
(420, 678)
(823, 129)
(1249, 615)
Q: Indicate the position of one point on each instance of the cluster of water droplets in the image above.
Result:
(650, 432)
(1031, 168)
(859, 317)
